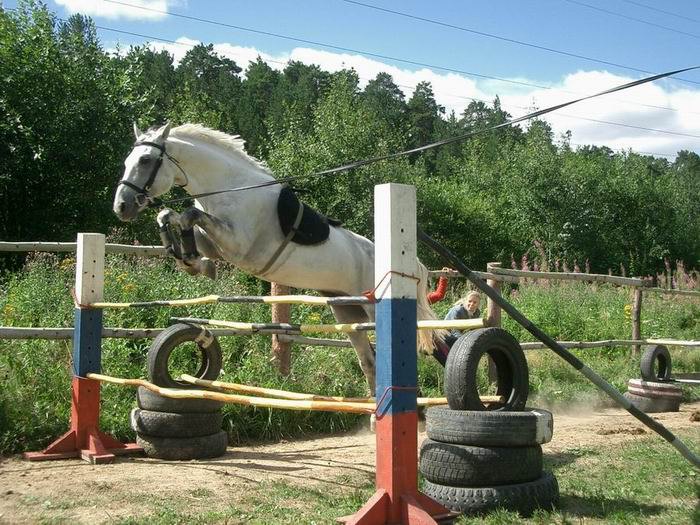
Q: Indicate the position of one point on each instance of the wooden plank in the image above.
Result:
(692, 293)
(314, 341)
(57, 247)
(611, 342)
(570, 276)
(482, 275)
(21, 333)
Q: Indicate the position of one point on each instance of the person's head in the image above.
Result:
(471, 302)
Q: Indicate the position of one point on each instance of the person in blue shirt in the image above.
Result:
(465, 308)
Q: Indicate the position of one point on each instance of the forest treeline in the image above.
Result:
(67, 107)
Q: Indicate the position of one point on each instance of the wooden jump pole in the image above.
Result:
(397, 499)
(84, 439)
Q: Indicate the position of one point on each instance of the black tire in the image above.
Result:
(168, 424)
(149, 400)
(463, 361)
(466, 466)
(489, 429)
(653, 356)
(211, 446)
(654, 389)
(171, 338)
(524, 498)
(653, 405)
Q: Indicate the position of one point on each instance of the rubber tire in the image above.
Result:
(149, 400)
(168, 424)
(653, 355)
(211, 446)
(467, 466)
(524, 498)
(463, 361)
(653, 389)
(653, 405)
(167, 341)
(489, 429)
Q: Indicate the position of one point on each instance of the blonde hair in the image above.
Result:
(473, 293)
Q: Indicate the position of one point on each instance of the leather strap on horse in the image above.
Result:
(285, 242)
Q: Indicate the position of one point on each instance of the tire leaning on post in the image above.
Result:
(163, 345)
(462, 365)
(656, 363)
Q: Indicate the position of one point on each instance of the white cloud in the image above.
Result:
(104, 9)
(641, 106)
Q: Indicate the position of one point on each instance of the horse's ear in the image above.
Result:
(137, 131)
(165, 131)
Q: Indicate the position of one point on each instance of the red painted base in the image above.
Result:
(99, 448)
(84, 439)
(416, 509)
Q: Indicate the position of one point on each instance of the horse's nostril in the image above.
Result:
(122, 207)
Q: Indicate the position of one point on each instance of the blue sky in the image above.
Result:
(655, 41)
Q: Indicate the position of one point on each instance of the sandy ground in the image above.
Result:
(84, 493)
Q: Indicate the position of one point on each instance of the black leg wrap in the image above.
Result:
(170, 243)
(189, 245)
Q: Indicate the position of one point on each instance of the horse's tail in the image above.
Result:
(426, 338)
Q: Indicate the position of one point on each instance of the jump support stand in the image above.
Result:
(84, 439)
(397, 499)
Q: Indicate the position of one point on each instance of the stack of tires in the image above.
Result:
(180, 429)
(655, 392)
(479, 458)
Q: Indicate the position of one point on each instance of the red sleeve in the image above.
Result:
(439, 293)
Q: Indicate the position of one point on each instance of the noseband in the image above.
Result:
(143, 198)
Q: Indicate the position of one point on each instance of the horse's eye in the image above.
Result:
(144, 160)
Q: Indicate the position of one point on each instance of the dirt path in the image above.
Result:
(83, 493)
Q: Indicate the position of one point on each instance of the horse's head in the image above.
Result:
(145, 176)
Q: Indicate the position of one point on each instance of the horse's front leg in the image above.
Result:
(203, 234)
(178, 239)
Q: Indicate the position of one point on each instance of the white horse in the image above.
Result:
(242, 227)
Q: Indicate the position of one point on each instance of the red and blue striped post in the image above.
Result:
(84, 439)
(397, 499)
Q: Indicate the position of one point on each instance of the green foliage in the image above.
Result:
(502, 193)
(35, 399)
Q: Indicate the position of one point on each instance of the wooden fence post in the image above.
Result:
(281, 351)
(637, 319)
(493, 311)
(493, 316)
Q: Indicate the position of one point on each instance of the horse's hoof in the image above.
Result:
(209, 268)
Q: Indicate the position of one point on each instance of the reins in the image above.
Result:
(153, 202)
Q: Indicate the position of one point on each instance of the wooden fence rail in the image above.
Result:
(494, 274)
(130, 249)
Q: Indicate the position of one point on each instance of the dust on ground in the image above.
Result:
(132, 486)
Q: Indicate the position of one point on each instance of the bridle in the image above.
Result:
(143, 198)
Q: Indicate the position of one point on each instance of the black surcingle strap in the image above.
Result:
(313, 228)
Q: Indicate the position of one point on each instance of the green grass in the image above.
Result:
(35, 398)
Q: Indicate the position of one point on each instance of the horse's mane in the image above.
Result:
(233, 143)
